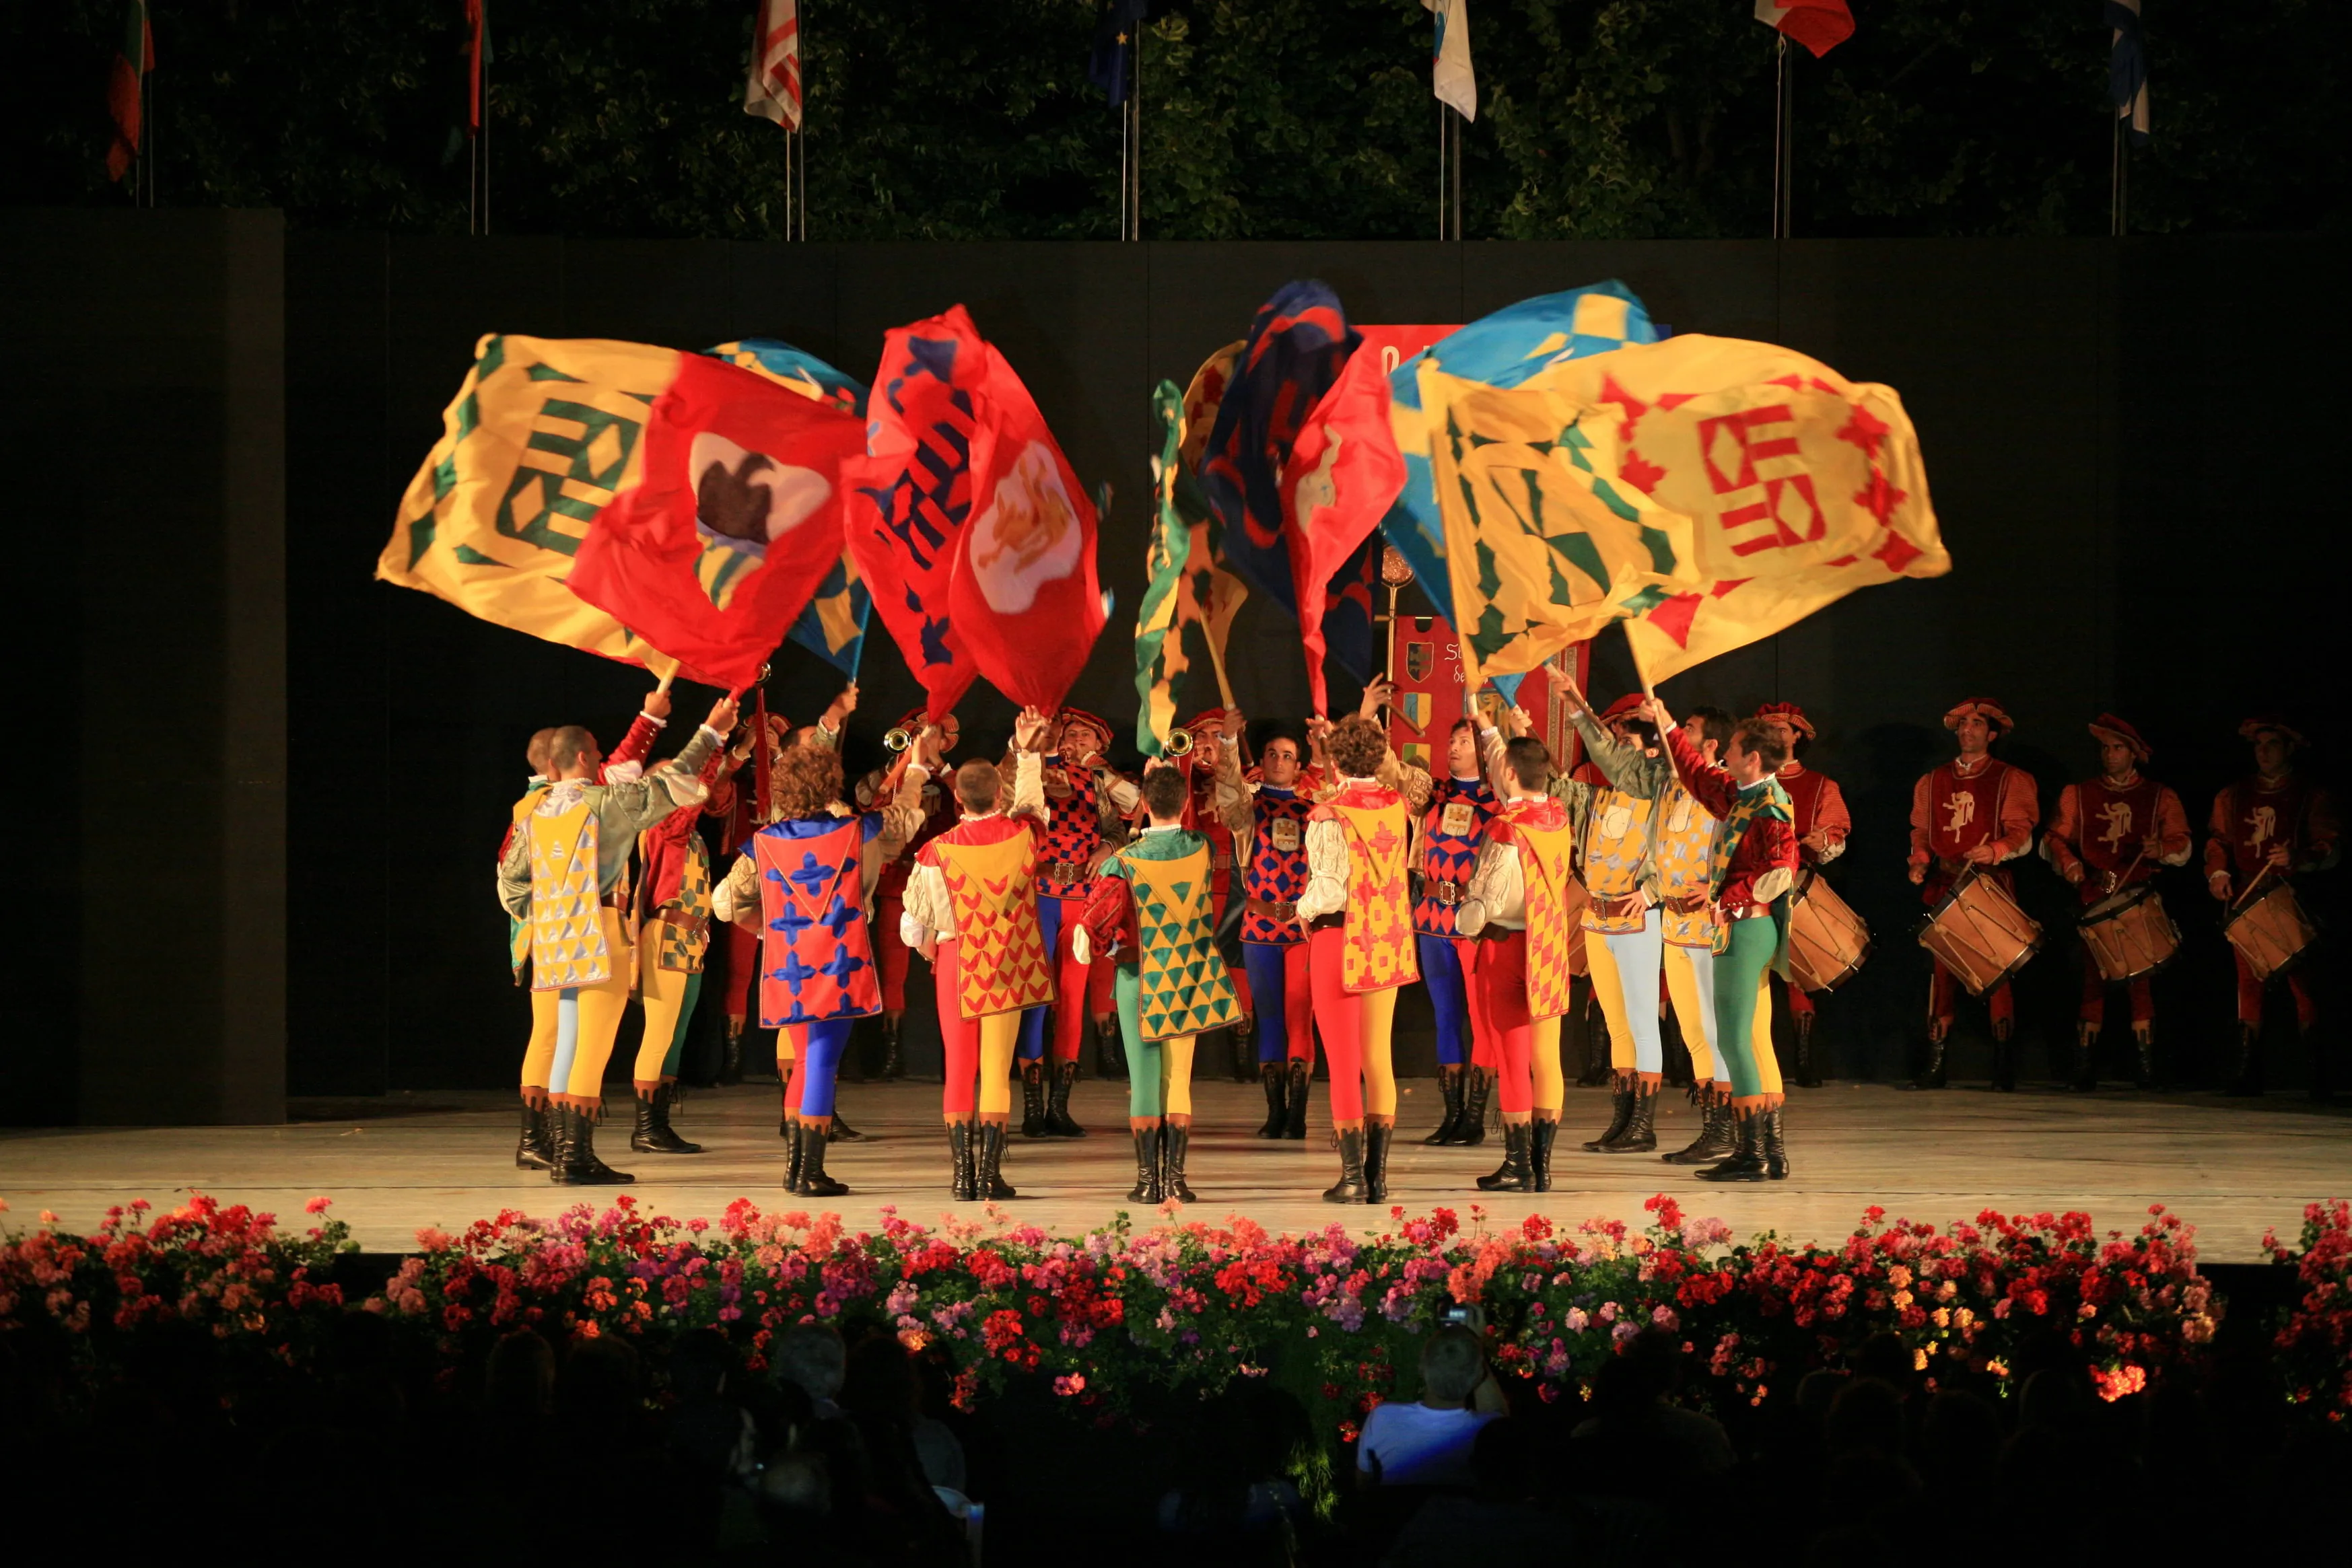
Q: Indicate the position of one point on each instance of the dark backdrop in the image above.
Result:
(2127, 444)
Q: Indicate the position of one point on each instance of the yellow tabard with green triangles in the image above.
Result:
(1684, 842)
(682, 948)
(1616, 847)
(518, 931)
(1181, 974)
(567, 921)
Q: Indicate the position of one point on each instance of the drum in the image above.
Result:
(2272, 933)
(1981, 933)
(1827, 940)
(2129, 935)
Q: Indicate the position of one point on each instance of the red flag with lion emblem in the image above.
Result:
(734, 523)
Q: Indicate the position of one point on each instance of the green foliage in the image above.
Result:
(1261, 119)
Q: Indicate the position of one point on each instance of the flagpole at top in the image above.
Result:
(1783, 161)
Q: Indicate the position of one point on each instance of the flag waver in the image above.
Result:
(773, 90)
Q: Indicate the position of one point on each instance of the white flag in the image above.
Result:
(774, 90)
(1451, 77)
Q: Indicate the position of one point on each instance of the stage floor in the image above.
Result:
(2231, 1167)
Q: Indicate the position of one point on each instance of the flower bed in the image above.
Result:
(1184, 1302)
(2314, 1338)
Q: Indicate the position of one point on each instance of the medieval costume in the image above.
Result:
(890, 953)
(674, 930)
(1448, 836)
(1519, 909)
(1975, 809)
(1082, 789)
(1620, 874)
(1270, 829)
(971, 904)
(2110, 835)
(2276, 824)
(1684, 833)
(1823, 824)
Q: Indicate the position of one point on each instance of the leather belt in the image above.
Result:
(1065, 872)
(1282, 912)
(1491, 932)
(1625, 908)
(1689, 903)
(619, 898)
(1437, 890)
(1326, 922)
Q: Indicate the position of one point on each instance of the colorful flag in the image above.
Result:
(734, 520)
(1295, 349)
(834, 625)
(2128, 68)
(1540, 557)
(1117, 24)
(1451, 77)
(1023, 597)
(1343, 475)
(1159, 633)
(124, 84)
(1820, 25)
(1206, 595)
(773, 90)
(542, 434)
(912, 493)
(1203, 395)
(1501, 350)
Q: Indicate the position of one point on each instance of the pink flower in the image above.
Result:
(1069, 1384)
(318, 1206)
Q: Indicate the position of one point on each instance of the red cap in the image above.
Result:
(1987, 708)
(1622, 709)
(2271, 721)
(2108, 726)
(1070, 716)
(1793, 715)
(1216, 716)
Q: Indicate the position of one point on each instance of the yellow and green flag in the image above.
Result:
(542, 433)
(1186, 582)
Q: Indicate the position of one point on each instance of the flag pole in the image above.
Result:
(1441, 168)
(1459, 125)
(2118, 217)
(1784, 104)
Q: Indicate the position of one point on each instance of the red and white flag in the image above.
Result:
(1820, 25)
(774, 90)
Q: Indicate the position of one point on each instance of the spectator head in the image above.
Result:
(1453, 1365)
(1959, 1438)
(700, 1364)
(1867, 1417)
(520, 1378)
(812, 1355)
(1641, 1374)
(599, 1379)
(879, 1381)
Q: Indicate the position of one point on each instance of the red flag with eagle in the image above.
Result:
(773, 91)
(735, 520)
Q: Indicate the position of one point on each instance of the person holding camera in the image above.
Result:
(1427, 1442)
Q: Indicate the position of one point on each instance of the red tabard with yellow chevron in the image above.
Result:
(1378, 952)
(1548, 868)
(992, 889)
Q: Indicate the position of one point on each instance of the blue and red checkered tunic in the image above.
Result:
(1073, 838)
(1276, 873)
(1451, 833)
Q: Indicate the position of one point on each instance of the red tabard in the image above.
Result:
(815, 962)
(2115, 822)
(1804, 796)
(1961, 814)
(2252, 819)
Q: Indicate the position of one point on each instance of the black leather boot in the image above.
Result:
(1244, 1037)
(1775, 1152)
(1033, 1098)
(1378, 1136)
(1638, 1136)
(1932, 1075)
(963, 1160)
(1299, 1074)
(1350, 1187)
(577, 1164)
(1746, 1161)
(1540, 1135)
(1450, 1089)
(1274, 1082)
(1599, 1067)
(652, 1135)
(2246, 1069)
(1111, 1053)
(893, 1068)
(535, 1151)
(730, 1063)
(1057, 1103)
(2144, 1056)
(841, 1132)
(1715, 1138)
(1175, 1142)
(989, 1174)
(1146, 1189)
(1621, 1111)
(1807, 1078)
(1476, 1089)
(795, 1154)
(814, 1182)
(2086, 1077)
(2004, 1060)
(1516, 1173)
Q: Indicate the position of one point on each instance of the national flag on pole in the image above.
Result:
(733, 522)
(1820, 25)
(834, 625)
(1117, 26)
(1451, 77)
(2128, 68)
(543, 433)
(478, 55)
(773, 91)
(1343, 475)
(124, 83)
(1499, 350)
(1295, 349)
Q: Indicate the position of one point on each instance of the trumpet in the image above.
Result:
(1178, 745)
(899, 740)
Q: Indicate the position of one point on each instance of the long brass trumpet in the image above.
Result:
(1178, 745)
(899, 740)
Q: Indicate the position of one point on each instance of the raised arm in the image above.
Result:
(1711, 786)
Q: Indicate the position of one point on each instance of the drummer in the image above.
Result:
(1822, 824)
(2274, 825)
(1979, 812)
(2109, 835)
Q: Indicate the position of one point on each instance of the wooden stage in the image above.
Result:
(2230, 1168)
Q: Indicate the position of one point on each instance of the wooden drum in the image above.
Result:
(1827, 940)
(1981, 933)
(2129, 935)
(2272, 933)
